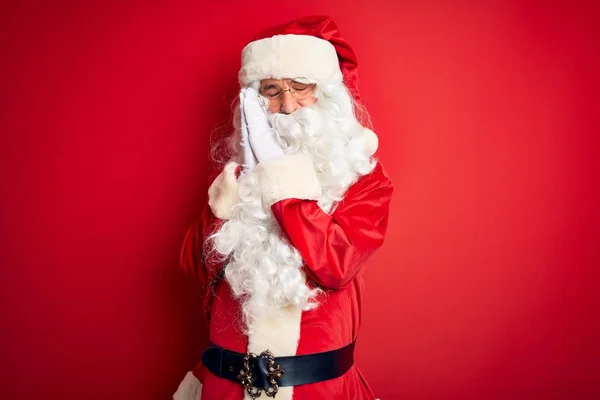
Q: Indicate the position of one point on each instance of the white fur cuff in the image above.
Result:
(223, 193)
(287, 177)
(371, 141)
(189, 389)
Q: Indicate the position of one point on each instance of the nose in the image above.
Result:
(288, 103)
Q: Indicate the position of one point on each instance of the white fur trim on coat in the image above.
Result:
(290, 56)
(279, 333)
(223, 193)
(190, 388)
(287, 177)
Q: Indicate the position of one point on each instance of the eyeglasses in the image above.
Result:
(300, 89)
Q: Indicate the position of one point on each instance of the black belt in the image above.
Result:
(268, 373)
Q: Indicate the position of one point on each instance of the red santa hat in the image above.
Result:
(308, 47)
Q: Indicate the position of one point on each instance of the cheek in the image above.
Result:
(309, 102)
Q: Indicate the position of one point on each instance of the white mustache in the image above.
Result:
(306, 121)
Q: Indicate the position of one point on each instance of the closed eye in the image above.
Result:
(270, 91)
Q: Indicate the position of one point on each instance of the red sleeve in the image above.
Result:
(200, 268)
(193, 264)
(335, 247)
(191, 259)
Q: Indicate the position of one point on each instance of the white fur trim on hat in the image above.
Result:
(223, 192)
(288, 177)
(190, 388)
(290, 56)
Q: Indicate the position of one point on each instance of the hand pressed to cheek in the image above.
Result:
(249, 160)
(261, 137)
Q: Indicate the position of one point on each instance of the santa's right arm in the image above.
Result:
(222, 196)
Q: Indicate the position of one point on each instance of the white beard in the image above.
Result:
(263, 269)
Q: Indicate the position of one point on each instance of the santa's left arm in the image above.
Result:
(334, 247)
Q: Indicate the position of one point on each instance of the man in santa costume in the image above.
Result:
(290, 221)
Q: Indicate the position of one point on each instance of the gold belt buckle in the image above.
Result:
(274, 374)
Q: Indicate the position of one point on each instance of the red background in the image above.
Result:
(488, 117)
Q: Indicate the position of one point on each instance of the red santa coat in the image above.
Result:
(334, 248)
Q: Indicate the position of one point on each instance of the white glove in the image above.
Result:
(261, 137)
(249, 161)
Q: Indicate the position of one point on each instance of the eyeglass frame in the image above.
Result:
(279, 96)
